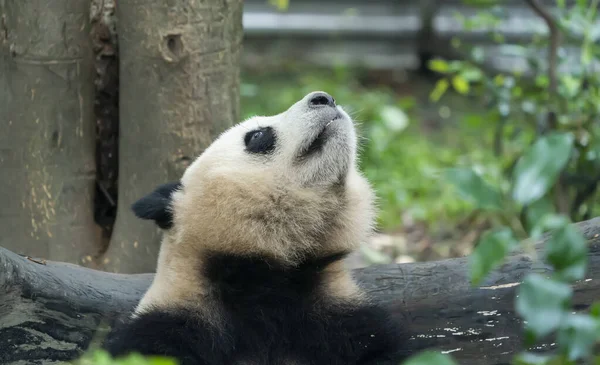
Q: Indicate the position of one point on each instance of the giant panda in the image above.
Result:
(251, 269)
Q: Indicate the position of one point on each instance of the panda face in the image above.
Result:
(313, 142)
(284, 186)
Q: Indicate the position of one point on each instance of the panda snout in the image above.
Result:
(321, 99)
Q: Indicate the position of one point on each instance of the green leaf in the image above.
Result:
(582, 4)
(162, 361)
(101, 357)
(567, 252)
(430, 358)
(529, 358)
(499, 80)
(460, 84)
(471, 74)
(498, 37)
(490, 252)
(473, 188)
(577, 336)
(586, 52)
(542, 303)
(549, 222)
(571, 85)
(438, 65)
(440, 88)
(538, 168)
(595, 310)
(536, 211)
(280, 4)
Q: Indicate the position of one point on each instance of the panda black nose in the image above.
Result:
(321, 99)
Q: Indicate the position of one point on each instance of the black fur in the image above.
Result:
(156, 205)
(271, 314)
(260, 140)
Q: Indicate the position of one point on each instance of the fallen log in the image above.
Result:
(50, 311)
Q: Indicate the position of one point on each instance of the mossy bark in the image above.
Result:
(179, 88)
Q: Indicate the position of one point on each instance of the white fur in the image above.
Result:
(272, 205)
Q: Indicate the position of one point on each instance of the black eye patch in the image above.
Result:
(260, 140)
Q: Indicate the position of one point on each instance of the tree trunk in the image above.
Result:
(179, 88)
(47, 134)
(51, 311)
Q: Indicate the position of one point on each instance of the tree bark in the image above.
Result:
(47, 135)
(51, 311)
(179, 88)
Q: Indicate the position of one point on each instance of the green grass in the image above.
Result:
(401, 157)
(100, 357)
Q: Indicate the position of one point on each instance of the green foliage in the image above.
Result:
(440, 88)
(405, 166)
(490, 252)
(547, 139)
(566, 250)
(547, 142)
(577, 335)
(280, 4)
(99, 357)
(537, 170)
(472, 187)
(430, 358)
(536, 211)
(543, 303)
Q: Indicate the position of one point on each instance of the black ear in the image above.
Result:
(156, 205)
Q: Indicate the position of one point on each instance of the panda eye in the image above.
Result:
(260, 141)
(256, 135)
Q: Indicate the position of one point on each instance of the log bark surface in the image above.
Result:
(49, 312)
(47, 132)
(179, 89)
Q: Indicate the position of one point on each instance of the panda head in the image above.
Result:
(283, 186)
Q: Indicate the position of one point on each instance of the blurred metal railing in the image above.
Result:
(378, 33)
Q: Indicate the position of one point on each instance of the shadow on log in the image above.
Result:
(50, 311)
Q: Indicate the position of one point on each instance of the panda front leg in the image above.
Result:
(181, 336)
(379, 339)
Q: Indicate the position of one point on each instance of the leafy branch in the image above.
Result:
(552, 54)
(539, 160)
(561, 196)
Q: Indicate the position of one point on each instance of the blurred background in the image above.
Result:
(448, 97)
(376, 57)
(479, 126)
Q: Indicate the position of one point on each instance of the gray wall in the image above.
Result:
(379, 33)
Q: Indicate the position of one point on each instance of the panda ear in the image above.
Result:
(156, 206)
